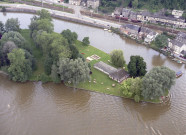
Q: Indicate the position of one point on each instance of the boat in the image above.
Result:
(105, 29)
(178, 74)
(179, 61)
(109, 31)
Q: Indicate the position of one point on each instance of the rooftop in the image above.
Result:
(119, 74)
(131, 26)
(105, 67)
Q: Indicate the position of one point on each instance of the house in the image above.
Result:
(178, 45)
(150, 37)
(133, 16)
(144, 32)
(75, 2)
(118, 11)
(93, 3)
(116, 74)
(177, 13)
(126, 12)
(130, 30)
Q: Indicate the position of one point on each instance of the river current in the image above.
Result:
(34, 108)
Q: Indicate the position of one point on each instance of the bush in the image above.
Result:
(44, 78)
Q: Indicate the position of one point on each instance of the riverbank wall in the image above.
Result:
(60, 17)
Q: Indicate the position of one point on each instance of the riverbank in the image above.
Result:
(99, 82)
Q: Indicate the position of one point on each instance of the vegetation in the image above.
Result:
(12, 25)
(156, 82)
(131, 88)
(137, 66)
(86, 41)
(152, 5)
(70, 36)
(161, 41)
(117, 58)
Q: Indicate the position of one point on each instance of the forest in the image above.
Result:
(107, 6)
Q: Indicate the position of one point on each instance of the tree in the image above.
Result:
(135, 3)
(2, 29)
(54, 74)
(48, 64)
(59, 49)
(74, 52)
(117, 58)
(156, 82)
(70, 36)
(137, 66)
(45, 25)
(86, 41)
(44, 14)
(20, 68)
(12, 25)
(132, 88)
(7, 48)
(184, 16)
(161, 41)
(73, 71)
(15, 37)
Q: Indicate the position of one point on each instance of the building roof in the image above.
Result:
(146, 30)
(117, 10)
(177, 43)
(132, 27)
(105, 67)
(181, 37)
(119, 74)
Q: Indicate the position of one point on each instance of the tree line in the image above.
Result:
(62, 60)
(142, 85)
(109, 5)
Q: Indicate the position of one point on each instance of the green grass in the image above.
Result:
(96, 74)
(37, 55)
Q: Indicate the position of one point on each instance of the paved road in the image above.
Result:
(75, 16)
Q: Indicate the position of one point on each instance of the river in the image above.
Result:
(52, 109)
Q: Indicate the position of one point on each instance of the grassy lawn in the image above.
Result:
(103, 82)
(37, 55)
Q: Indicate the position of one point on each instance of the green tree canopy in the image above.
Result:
(70, 36)
(132, 88)
(161, 41)
(74, 71)
(12, 25)
(2, 29)
(45, 25)
(137, 66)
(86, 41)
(15, 37)
(117, 58)
(157, 81)
(20, 68)
(44, 14)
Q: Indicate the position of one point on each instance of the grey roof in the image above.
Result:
(181, 37)
(126, 12)
(132, 27)
(118, 10)
(146, 30)
(105, 67)
(177, 43)
(119, 74)
(183, 52)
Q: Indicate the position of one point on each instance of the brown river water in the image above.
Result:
(34, 108)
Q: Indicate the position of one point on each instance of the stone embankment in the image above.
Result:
(58, 16)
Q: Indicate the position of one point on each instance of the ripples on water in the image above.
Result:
(53, 109)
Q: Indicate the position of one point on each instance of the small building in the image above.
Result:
(177, 47)
(177, 13)
(126, 12)
(130, 30)
(144, 32)
(118, 11)
(93, 3)
(116, 74)
(150, 37)
(75, 2)
(133, 16)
